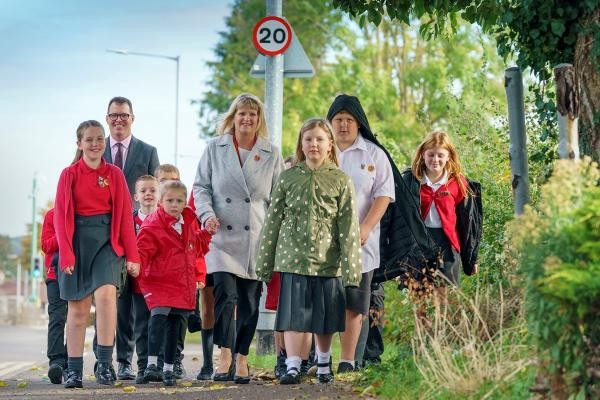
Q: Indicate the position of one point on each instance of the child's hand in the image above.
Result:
(200, 285)
(365, 231)
(68, 270)
(212, 225)
(133, 268)
(475, 268)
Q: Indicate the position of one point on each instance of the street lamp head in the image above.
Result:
(118, 51)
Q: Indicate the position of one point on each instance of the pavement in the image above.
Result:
(23, 367)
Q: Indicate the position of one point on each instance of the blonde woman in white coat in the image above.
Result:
(233, 185)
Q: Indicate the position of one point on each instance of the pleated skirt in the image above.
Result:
(96, 263)
(311, 304)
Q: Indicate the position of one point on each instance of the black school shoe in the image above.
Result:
(327, 377)
(152, 374)
(74, 380)
(169, 378)
(56, 373)
(112, 370)
(104, 374)
(178, 369)
(139, 378)
(125, 372)
(291, 377)
(205, 374)
(344, 367)
(280, 367)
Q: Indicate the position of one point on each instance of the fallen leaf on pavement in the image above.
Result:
(22, 385)
(3, 384)
(129, 389)
(186, 384)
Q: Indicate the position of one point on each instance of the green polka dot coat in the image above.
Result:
(312, 226)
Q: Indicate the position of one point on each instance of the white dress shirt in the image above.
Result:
(113, 148)
(372, 176)
(178, 226)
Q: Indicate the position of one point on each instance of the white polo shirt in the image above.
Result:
(372, 176)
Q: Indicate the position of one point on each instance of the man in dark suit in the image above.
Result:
(135, 158)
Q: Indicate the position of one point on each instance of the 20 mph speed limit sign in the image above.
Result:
(272, 35)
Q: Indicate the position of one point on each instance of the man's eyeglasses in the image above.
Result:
(123, 116)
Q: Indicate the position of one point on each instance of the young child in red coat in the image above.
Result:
(169, 243)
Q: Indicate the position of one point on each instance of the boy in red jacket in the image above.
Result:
(169, 243)
(57, 307)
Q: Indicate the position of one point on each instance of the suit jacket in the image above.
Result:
(239, 197)
(142, 159)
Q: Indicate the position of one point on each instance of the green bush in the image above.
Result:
(558, 250)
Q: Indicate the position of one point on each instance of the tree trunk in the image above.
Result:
(589, 81)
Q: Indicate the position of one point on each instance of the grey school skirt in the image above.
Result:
(96, 263)
(311, 304)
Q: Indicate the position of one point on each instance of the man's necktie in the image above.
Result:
(118, 161)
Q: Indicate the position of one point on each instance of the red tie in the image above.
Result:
(119, 156)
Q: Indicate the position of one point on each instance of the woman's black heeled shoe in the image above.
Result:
(225, 376)
(242, 380)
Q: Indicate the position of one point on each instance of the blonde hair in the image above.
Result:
(171, 185)
(313, 123)
(452, 167)
(80, 131)
(145, 178)
(166, 169)
(226, 124)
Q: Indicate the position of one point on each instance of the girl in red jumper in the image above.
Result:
(169, 243)
(443, 188)
(94, 227)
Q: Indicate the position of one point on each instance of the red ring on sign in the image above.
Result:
(260, 49)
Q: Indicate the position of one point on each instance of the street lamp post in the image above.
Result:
(172, 58)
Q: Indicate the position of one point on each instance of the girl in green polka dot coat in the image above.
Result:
(311, 235)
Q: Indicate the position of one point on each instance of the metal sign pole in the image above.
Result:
(274, 85)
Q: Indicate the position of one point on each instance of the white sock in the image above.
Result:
(168, 367)
(323, 358)
(351, 362)
(152, 360)
(293, 362)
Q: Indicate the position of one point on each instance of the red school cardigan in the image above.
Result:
(446, 198)
(49, 243)
(122, 234)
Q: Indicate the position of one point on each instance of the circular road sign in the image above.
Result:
(272, 35)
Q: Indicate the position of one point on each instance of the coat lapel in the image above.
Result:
(132, 153)
(230, 158)
(256, 159)
(107, 152)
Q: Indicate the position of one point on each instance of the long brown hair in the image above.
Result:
(312, 124)
(80, 131)
(453, 167)
(226, 124)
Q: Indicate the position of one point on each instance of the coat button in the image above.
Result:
(247, 228)
(228, 200)
(229, 227)
(247, 200)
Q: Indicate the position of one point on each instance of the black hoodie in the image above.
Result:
(405, 244)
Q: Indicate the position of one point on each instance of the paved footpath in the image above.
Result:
(27, 379)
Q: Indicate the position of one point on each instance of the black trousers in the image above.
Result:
(125, 320)
(57, 318)
(374, 348)
(171, 324)
(140, 329)
(235, 329)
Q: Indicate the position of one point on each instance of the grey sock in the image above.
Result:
(105, 353)
(75, 364)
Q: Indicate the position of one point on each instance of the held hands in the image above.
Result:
(200, 285)
(133, 268)
(212, 225)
